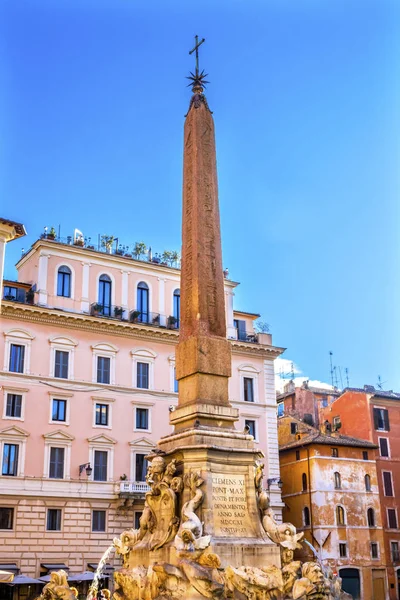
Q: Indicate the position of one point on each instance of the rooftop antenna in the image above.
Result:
(340, 375)
(347, 377)
(380, 383)
(292, 372)
(330, 359)
(335, 377)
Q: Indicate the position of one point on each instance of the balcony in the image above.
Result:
(245, 336)
(108, 311)
(136, 488)
(153, 319)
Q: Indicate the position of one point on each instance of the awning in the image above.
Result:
(25, 580)
(106, 569)
(6, 576)
(85, 576)
(54, 566)
(12, 567)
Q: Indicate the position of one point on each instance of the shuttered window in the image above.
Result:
(56, 469)
(100, 465)
(381, 419)
(387, 483)
(61, 364)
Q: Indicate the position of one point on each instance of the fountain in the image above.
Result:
(207, 529)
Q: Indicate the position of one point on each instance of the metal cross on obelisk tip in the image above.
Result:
(196, 49)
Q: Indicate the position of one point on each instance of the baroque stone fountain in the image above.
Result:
(207, 529)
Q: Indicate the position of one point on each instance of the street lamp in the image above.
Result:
(272, 481)
(85, 467)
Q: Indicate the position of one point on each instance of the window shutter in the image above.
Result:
(376, 418)
(386, 419)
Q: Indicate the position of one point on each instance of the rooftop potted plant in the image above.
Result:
(52, 234)
(30, 296)
(107, 242)
(156, 320)
(79, 241)
(139, 249)
(171, 322)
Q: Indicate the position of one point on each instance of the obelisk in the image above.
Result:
(203, 355)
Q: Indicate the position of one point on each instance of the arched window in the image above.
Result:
(338, 480)
(143, 302)
(340, 516)
(367, 483)
(177, 306)
(371, 517)
(306, 516)
(64, 282)
(105, 294)
(304, 482)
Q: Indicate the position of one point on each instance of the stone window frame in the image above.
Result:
(47, 518)
(142, 445)
(391, 549)
(381, 437)
(306, 526)
(72, 282)
(344, 524)
(109, 402)
(10, 389)
(104, 350)
(368, 488)
(19, 337)
(378, 556)
(58, 439)
(102, 443)
(143, 355)
(142, 404)
(18, 436)
(13, 507)
(60, 396)
(134, 516)
(383, 484)
(93, 509)
(374, 515)
(256, 419)
(337, 480)
(250, 372)
(63, 344)
(343, 543)
(172, 367)
(387, 518)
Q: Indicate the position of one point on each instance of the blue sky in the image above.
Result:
(305, 95)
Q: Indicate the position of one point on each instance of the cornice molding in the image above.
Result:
(80, 321)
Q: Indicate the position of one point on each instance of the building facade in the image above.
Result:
(331, 493)
(87, 386)
(305, 402)
(378, 420)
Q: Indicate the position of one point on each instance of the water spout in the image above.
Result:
(94, 588)
(312, 548)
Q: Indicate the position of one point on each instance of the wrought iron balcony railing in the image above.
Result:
(109, 311)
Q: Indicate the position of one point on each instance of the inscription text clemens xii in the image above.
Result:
(230, 511)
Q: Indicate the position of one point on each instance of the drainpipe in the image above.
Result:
(309, 495)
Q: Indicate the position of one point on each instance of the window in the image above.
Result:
(142, 418)
(281, 409)
(334, 452)
(338, 480)
(251, 425)
(384, 447)
(99, 520)
(371, 517)
(54, 519)
(324, 401)
(336, 422)
(293, 428)
(138, 514)
(103, 369)
(100, 465)
(10, 459)
(365, 454)
(248, 389)
(101, 417)
(61, 364)
(306, 516)
(381, 419)
(10, 293)
(143, 302)
(14, 406)
(392, 518)
(240, 327)
(59, 410)
(64, 282)
(297, 454)
(374, 550)
(387, 483)
(105, 294)
(142, 379)
(6, 518)
(17, 358)
(394, 550)
(342, 549)
(177, 306)
(340, 516)
(304, 482)
(367, 479)
(140, 467)
(56, 469)
(176, 382)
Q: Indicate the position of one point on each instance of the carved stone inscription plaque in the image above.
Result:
(230, 510)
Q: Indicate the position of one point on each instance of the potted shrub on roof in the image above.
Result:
(139, 249)
(171, 322)
(52, 234)
(107, 242)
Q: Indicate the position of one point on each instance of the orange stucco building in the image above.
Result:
(331, 493)
(375, 416)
